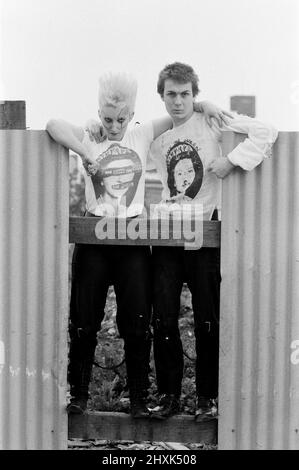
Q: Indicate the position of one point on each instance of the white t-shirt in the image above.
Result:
(117, 187)
(183, 154)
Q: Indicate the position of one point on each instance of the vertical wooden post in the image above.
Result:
(12, 115)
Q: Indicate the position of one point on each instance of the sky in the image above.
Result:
(53, 51)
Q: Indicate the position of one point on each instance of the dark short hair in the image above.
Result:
(178, 72)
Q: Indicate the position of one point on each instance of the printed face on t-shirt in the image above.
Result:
(118, 171)
(184, 168)
(117, 178)
(184, 174)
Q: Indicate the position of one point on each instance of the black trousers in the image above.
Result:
(201, 270)
(94, 269)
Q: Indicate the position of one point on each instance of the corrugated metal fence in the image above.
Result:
(259, 370)
(33, 290)
(259, 366)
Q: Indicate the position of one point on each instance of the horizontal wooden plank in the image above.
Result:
(120, 426)
(141, 231)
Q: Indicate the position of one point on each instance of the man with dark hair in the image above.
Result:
(180, 73)
(195, 185)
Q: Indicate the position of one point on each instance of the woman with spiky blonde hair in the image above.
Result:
(116, 89)
(114, 173)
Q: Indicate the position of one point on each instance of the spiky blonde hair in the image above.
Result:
(117, 88)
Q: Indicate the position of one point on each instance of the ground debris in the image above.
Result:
(201, 446)
(79, 443)
(161, 445)
(99, 444)
(176, 446)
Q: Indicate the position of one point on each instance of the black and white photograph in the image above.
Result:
(149, 213)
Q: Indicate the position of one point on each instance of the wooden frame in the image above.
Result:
(121, 426)
(83, 230)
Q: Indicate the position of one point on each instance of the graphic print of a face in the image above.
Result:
(185, 170)
(184, 174)
(118, 175)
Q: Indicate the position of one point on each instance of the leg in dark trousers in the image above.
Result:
(203, 277)
(90, 282)
(133, 296)
(167, 286)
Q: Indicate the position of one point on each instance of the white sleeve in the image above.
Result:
(258, 144)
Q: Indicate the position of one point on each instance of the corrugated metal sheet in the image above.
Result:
(259, 376)
(259, 383)
(33, 291)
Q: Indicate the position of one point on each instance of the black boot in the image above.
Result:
(137, 364)
(169, 405)
(77, 406)
(139, 408)
(79, 376)
(81, 357)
